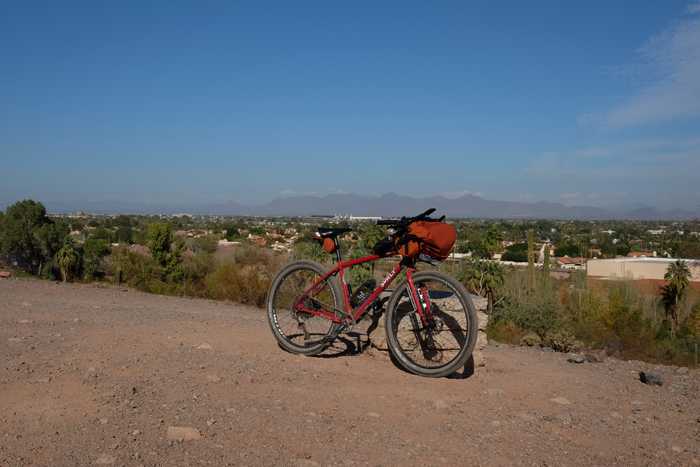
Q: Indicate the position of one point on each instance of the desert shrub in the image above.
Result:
(534, 310)
(566, 315)
(562, 340)
(93, 252)
(136, 270)
(196, 267)
(505, 331)
(206, 244)
(238, 283)
(311, 250)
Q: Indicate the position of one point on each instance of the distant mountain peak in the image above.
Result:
(467, 205)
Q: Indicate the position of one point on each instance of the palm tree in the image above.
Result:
(678, 277)
(67, 259)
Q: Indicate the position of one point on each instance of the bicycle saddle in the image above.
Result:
(330, 232)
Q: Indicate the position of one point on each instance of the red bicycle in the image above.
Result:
(430, 321)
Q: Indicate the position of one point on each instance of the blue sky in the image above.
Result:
(594, 103)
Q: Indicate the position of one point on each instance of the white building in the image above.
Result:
(637, 268)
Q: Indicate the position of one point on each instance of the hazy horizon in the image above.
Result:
(596, 104)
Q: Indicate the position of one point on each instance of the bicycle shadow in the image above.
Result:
(354, 343)
(346, 345)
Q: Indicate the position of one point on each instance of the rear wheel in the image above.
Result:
(296, 331)
(442, 347)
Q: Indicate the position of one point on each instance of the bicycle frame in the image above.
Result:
(420, 300)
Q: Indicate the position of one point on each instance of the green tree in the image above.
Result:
(678, 277)
(166, 251)
(18, 237)
(159, 238)
(568, 249)
(50, 237)
(68, 261)
(124, 234)
(93, 252)
(516, 252)
(232, 233)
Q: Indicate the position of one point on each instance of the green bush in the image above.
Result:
(569, 314)
(242, 284)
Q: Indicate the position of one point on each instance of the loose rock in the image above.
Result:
(575, 358)
(105, 459)
(650, 378)
(561, 400)
(595, 356)
(183, 433)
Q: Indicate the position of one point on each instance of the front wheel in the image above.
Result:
(445, 344)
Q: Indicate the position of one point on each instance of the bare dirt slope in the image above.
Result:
(94, 375)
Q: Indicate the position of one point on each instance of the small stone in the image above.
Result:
(595, 356)
(677, 449)
(106, 459)
(205, 346)
(575, 358)
(373, 414)
(213, 378)
(440, 404)
(650, 378)
(183, 433)
(103, 421)
(24, 321)
(561, 400)
(136, 432)
(211, 422)
(682, 370)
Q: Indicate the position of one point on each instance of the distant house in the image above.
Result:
(226, 243)
(566, 262)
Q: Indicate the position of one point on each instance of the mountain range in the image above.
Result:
(386, 205)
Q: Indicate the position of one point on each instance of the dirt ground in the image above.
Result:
(106, 376)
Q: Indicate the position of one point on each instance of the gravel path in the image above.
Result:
(104, 376)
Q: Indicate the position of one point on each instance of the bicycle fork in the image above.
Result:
(420, 300)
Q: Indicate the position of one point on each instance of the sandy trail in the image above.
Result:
(96, 375)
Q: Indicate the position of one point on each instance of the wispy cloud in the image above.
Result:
(659, 160)
(672, 60)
